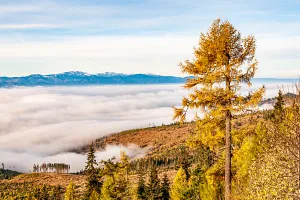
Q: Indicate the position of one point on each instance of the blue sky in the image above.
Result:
(136, 36)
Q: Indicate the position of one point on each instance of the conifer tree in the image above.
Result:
(124, 162)
(179, 185)
(110, 167)
(70, 192)
(141, 189)
(92, 172)
(165, 188)
(153, 186)
(116, 185)
(91, 160)
(183, 161)
(223, 61)
(109, 190)
(279, 105)
(121, 176)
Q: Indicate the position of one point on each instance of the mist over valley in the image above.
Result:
(44, 124)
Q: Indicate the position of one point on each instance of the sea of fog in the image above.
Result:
(41, 124)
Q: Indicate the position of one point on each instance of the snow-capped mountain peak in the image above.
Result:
(110, 74)
(83, 78)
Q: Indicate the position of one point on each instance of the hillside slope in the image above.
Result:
(156, 139)
(163, 142)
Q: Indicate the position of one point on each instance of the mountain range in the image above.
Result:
(82, 78)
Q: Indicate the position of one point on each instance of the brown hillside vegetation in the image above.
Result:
(52, 179)
(29, 182)
(157, 138)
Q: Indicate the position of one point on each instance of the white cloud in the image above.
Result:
(42, 124)
(23, 162)
(27, 26)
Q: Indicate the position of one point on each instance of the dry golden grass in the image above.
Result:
(52, 179)
(157, 138)
(48, 179)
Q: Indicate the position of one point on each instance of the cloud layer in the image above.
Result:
(41, 124)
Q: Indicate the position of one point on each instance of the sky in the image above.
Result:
(136, 36)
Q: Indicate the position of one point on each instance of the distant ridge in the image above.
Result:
(82, 78)
(107, 78)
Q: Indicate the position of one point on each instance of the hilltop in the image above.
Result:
(157, 138)
(288, 97)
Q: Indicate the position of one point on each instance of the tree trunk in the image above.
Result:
(228, 157)
(228, 140)
(298, 146)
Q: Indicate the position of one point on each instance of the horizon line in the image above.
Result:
(121, 73)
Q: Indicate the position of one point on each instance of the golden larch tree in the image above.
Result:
(223, 61)
(179, 185)
(70, 192)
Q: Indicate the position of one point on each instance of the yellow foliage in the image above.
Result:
(116, 185)
(222, 56)
(208, 132)
(179, 185)
(70, 192)
(108, 189)
(94, 196)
